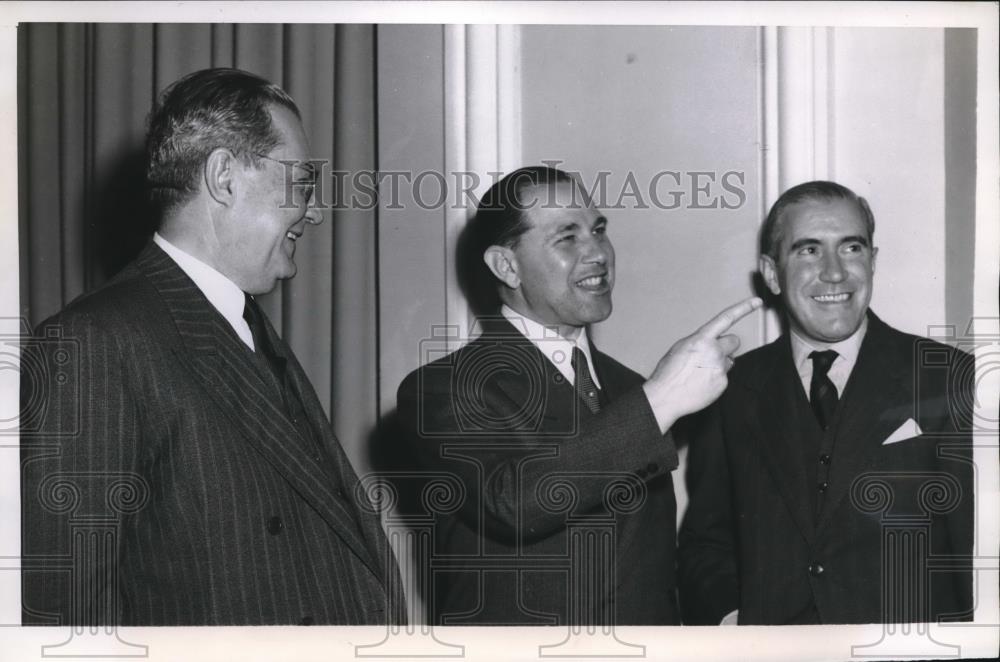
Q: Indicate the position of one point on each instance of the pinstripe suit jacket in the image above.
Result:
(162, 483)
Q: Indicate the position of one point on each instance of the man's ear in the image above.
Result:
(220, 176)
(874, 255)
(503, 264)
(769, 270)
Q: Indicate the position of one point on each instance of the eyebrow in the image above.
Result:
(566, 227)
(808, 241)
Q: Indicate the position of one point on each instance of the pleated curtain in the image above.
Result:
(84, 93)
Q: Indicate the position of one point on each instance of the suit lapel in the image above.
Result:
(771, 419)
(614, 381)
(353, 500)
(877, 400)
(533, 385)
(226, 367)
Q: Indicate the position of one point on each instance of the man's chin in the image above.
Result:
(597, 313)
(829, 332)
(264, 286)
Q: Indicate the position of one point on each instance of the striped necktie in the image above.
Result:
(822, 392)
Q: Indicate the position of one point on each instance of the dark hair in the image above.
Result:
(501, 213)
(201, 112)
(500, 220)
(770, 232)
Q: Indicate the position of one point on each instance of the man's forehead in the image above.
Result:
(553, 206)
(290, 129)
(836, 216)
(546, 221)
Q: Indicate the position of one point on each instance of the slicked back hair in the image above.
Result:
(201, 112)
(501, 218)
(501, 215)
(819, 190)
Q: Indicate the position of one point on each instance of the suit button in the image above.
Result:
(307, 620)
(652, 467)
(275, 525)
(816, 569)
(824, 459)
(822, 486)
(340, 493)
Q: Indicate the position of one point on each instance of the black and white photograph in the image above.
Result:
(500, 330)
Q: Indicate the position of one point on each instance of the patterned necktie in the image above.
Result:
(822, 392)
(585, 386)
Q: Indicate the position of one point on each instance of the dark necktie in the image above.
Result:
(278, 367)
(585, 386)
(822, 392)
(262, 346)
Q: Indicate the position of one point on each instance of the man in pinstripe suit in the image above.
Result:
(185, 472)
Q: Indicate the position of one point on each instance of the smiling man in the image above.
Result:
(816, 466)
(187, 474)
(558, 453)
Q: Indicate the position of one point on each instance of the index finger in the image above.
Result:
(721, 323)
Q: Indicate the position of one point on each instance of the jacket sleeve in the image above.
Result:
(519, 483)
(707, 569)
(959, 461)
(79, 435)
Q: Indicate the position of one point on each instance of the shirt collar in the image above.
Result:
(847, 349)
(556, 348)
(221, 292)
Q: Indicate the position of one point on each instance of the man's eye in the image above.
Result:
(566, 238)
(854, 248)
(305, 189)
(808, 250)
(601, 230)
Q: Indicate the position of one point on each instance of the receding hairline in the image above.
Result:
(779, 232)
(818, 192)
(542, 202)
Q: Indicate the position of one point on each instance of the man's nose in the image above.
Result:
(597, 249)
(314, 215)
(833, 268)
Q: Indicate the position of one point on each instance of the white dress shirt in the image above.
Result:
(557, 349)
(222, 293)
(840, 371)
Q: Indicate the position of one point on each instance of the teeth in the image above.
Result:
(832, 298)
(291, 235)
(593, 281)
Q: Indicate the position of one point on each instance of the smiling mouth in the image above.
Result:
(291, 235)
(832, 298)
(598, 283)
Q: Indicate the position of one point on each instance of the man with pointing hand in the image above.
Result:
(562, 454)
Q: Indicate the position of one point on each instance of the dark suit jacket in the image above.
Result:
(760, 537)
(545, 482)
(162, 482)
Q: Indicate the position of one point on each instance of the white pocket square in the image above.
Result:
(907, 430)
